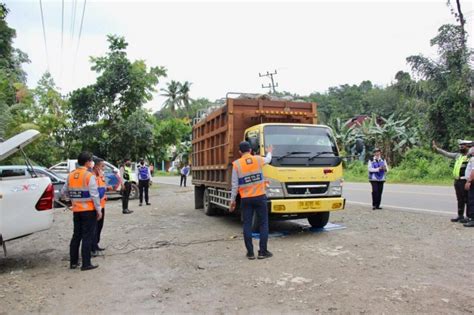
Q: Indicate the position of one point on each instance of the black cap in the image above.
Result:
(97, 159)
(244, 146)
(377, 150)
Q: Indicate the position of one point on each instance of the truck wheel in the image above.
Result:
(134, 191)
(198, 197)
(209, 208)
(319, 220)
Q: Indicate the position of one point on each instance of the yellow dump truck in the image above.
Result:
(304, 178)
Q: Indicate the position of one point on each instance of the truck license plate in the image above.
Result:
(305, 205)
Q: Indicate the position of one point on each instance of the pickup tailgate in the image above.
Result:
(18, 213)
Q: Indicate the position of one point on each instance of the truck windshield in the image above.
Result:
(313, 141)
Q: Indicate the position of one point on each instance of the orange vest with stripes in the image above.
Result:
(78, 188)
(249, 171)
(102, 188)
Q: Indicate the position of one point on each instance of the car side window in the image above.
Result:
(12, 172)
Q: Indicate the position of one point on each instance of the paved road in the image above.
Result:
(420, 198)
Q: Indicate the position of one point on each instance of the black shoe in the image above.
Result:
(373, 208)
(378, 208)
(458, 219)
(250, 256)
(90, 267)
(140, 204)
(94, 253)
(148, 203)
(469, 223)
(264, 255)
(126, 211)
(73, 266)
(464, 220)
(99, 249)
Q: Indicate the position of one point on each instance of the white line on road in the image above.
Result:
(401, 192)
(402, 208)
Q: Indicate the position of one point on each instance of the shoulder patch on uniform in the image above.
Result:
(249, 161)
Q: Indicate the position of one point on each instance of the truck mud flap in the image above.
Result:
(2, 242)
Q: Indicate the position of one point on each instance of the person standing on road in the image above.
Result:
(126, 172)
(144, 177)
(459, 169)
(98, 171)
(184, 174)
(378, 168)
(81, 187)
(470, 189)
(248, 180)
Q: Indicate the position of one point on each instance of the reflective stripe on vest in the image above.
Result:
(78, 187)
(249, 171)
(102, 188)
(128, 173)
(460, 166)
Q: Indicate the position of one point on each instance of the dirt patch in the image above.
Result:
(170, 258)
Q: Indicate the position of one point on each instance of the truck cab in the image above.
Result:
(304, 178)
(26, 200)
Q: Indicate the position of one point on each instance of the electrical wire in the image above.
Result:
(44, 35)
(79, 37)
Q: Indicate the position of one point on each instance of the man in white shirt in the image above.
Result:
(469, 175)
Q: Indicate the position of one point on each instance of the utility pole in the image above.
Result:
(271, 86)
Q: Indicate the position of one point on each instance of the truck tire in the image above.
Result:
(134, 192)
(198, 197)
(319, 220)
(209, 208)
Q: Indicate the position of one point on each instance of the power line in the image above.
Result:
(80, 33)
(44, 35)
(62, 41)
(73, 17)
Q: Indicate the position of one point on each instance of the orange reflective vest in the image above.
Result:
(249, 171)
(102, 188)
(78, 188)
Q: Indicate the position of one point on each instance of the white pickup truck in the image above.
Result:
(26, 200)
(112, 176)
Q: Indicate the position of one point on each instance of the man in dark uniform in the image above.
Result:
(459, 169)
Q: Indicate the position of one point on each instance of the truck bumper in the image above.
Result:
(306, 205)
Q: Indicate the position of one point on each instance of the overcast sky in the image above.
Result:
(222, 46)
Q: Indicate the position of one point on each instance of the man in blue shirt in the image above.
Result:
(144, 177)
(184, 174)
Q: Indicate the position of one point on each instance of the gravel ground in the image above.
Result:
(170, 258)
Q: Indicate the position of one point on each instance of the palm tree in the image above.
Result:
(172, 93)
(184, 95)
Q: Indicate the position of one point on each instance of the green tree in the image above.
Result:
(446, 86)
(172, 93)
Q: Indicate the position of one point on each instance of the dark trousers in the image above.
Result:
(98, 230)
(377, 189)
(84, 230)
(183, 180)
(259, 206)
(461, 195)
(143, 186)
(470, 202)
(126, 195)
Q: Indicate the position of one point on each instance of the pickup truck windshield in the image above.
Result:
(313, 141)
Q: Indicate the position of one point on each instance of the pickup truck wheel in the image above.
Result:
(209, 208)
(319, 220)
(134, 192)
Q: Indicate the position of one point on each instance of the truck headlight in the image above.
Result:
(335, 188)
(274, 188)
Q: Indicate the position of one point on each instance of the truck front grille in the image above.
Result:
(311, 188)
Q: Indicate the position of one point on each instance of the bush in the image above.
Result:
(418, 165)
